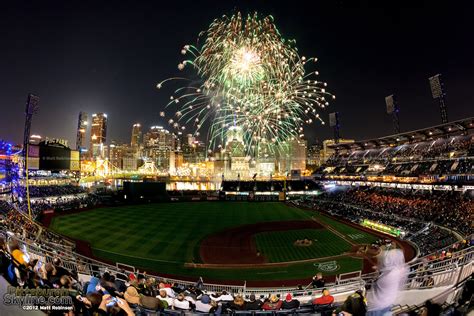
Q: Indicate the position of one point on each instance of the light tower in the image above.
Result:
(334, 123)
(438, 92)
(392, 108)
(32, 106)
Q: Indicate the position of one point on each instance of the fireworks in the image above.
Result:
(250, 77)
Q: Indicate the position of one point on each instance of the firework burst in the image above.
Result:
(250, 77)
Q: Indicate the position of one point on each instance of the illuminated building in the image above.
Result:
(235, 149)
(159, 146)
(136, 135)
(265, 160)
(291, 156)
(298, 154)
(35, 139)
(98, 135)
(116, 153)
(129, 162)
(313, 155)
(81, 131)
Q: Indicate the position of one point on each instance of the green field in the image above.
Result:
(162, 237)
(324, 244)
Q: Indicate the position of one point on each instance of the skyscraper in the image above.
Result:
(81, 131)
(98, 134)
(313, 156)
(136, 135)
(159, 143)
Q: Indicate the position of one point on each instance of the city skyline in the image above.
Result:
(112, 80)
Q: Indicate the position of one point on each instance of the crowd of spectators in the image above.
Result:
(132, 294)
(120, 294)
(60, 203)
(18, 223)
(417, 215)
(54, 197)
(454, 210)
(138, 293)
(50, 190)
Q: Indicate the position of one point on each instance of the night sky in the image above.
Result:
(108, 57)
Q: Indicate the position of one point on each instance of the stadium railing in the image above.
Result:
(449, 271)
(444, 272)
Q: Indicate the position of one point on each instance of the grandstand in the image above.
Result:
(441, 154)
(418, 184)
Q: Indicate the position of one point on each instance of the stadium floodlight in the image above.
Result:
(392, 109)
(390, 102)
(436, 86)
(438, 93)
(32, 106)
(334, 123)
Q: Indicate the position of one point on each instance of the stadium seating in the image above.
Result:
(23, 228)
(57, 197)
(454, 210)
(441, 156)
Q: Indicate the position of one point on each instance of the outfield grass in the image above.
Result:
(162, 237)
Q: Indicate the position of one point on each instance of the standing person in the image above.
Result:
(318, 281)
(393, 275)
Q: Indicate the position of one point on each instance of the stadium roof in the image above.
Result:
(451, 128)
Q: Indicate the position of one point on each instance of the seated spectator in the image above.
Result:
(431, 309)
(204, 304)
(318, 281)
(181, 303)
(290, 302)
(325, 299)
(4, 260)
(131, 295)
(66, 282)
(355, 304)
(193, 291)
(253, 304)
(165, 298)
(216, 308)
(90, 303)
(19, 258)
(272, 304)
(238, 303)
(222, 297)
(169, 291)
(94, 286)
(119, 284)
(152, 303)
(60, 271)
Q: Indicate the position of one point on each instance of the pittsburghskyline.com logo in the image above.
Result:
(38, 299)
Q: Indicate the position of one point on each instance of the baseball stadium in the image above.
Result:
(310, 238)
(225, 208)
